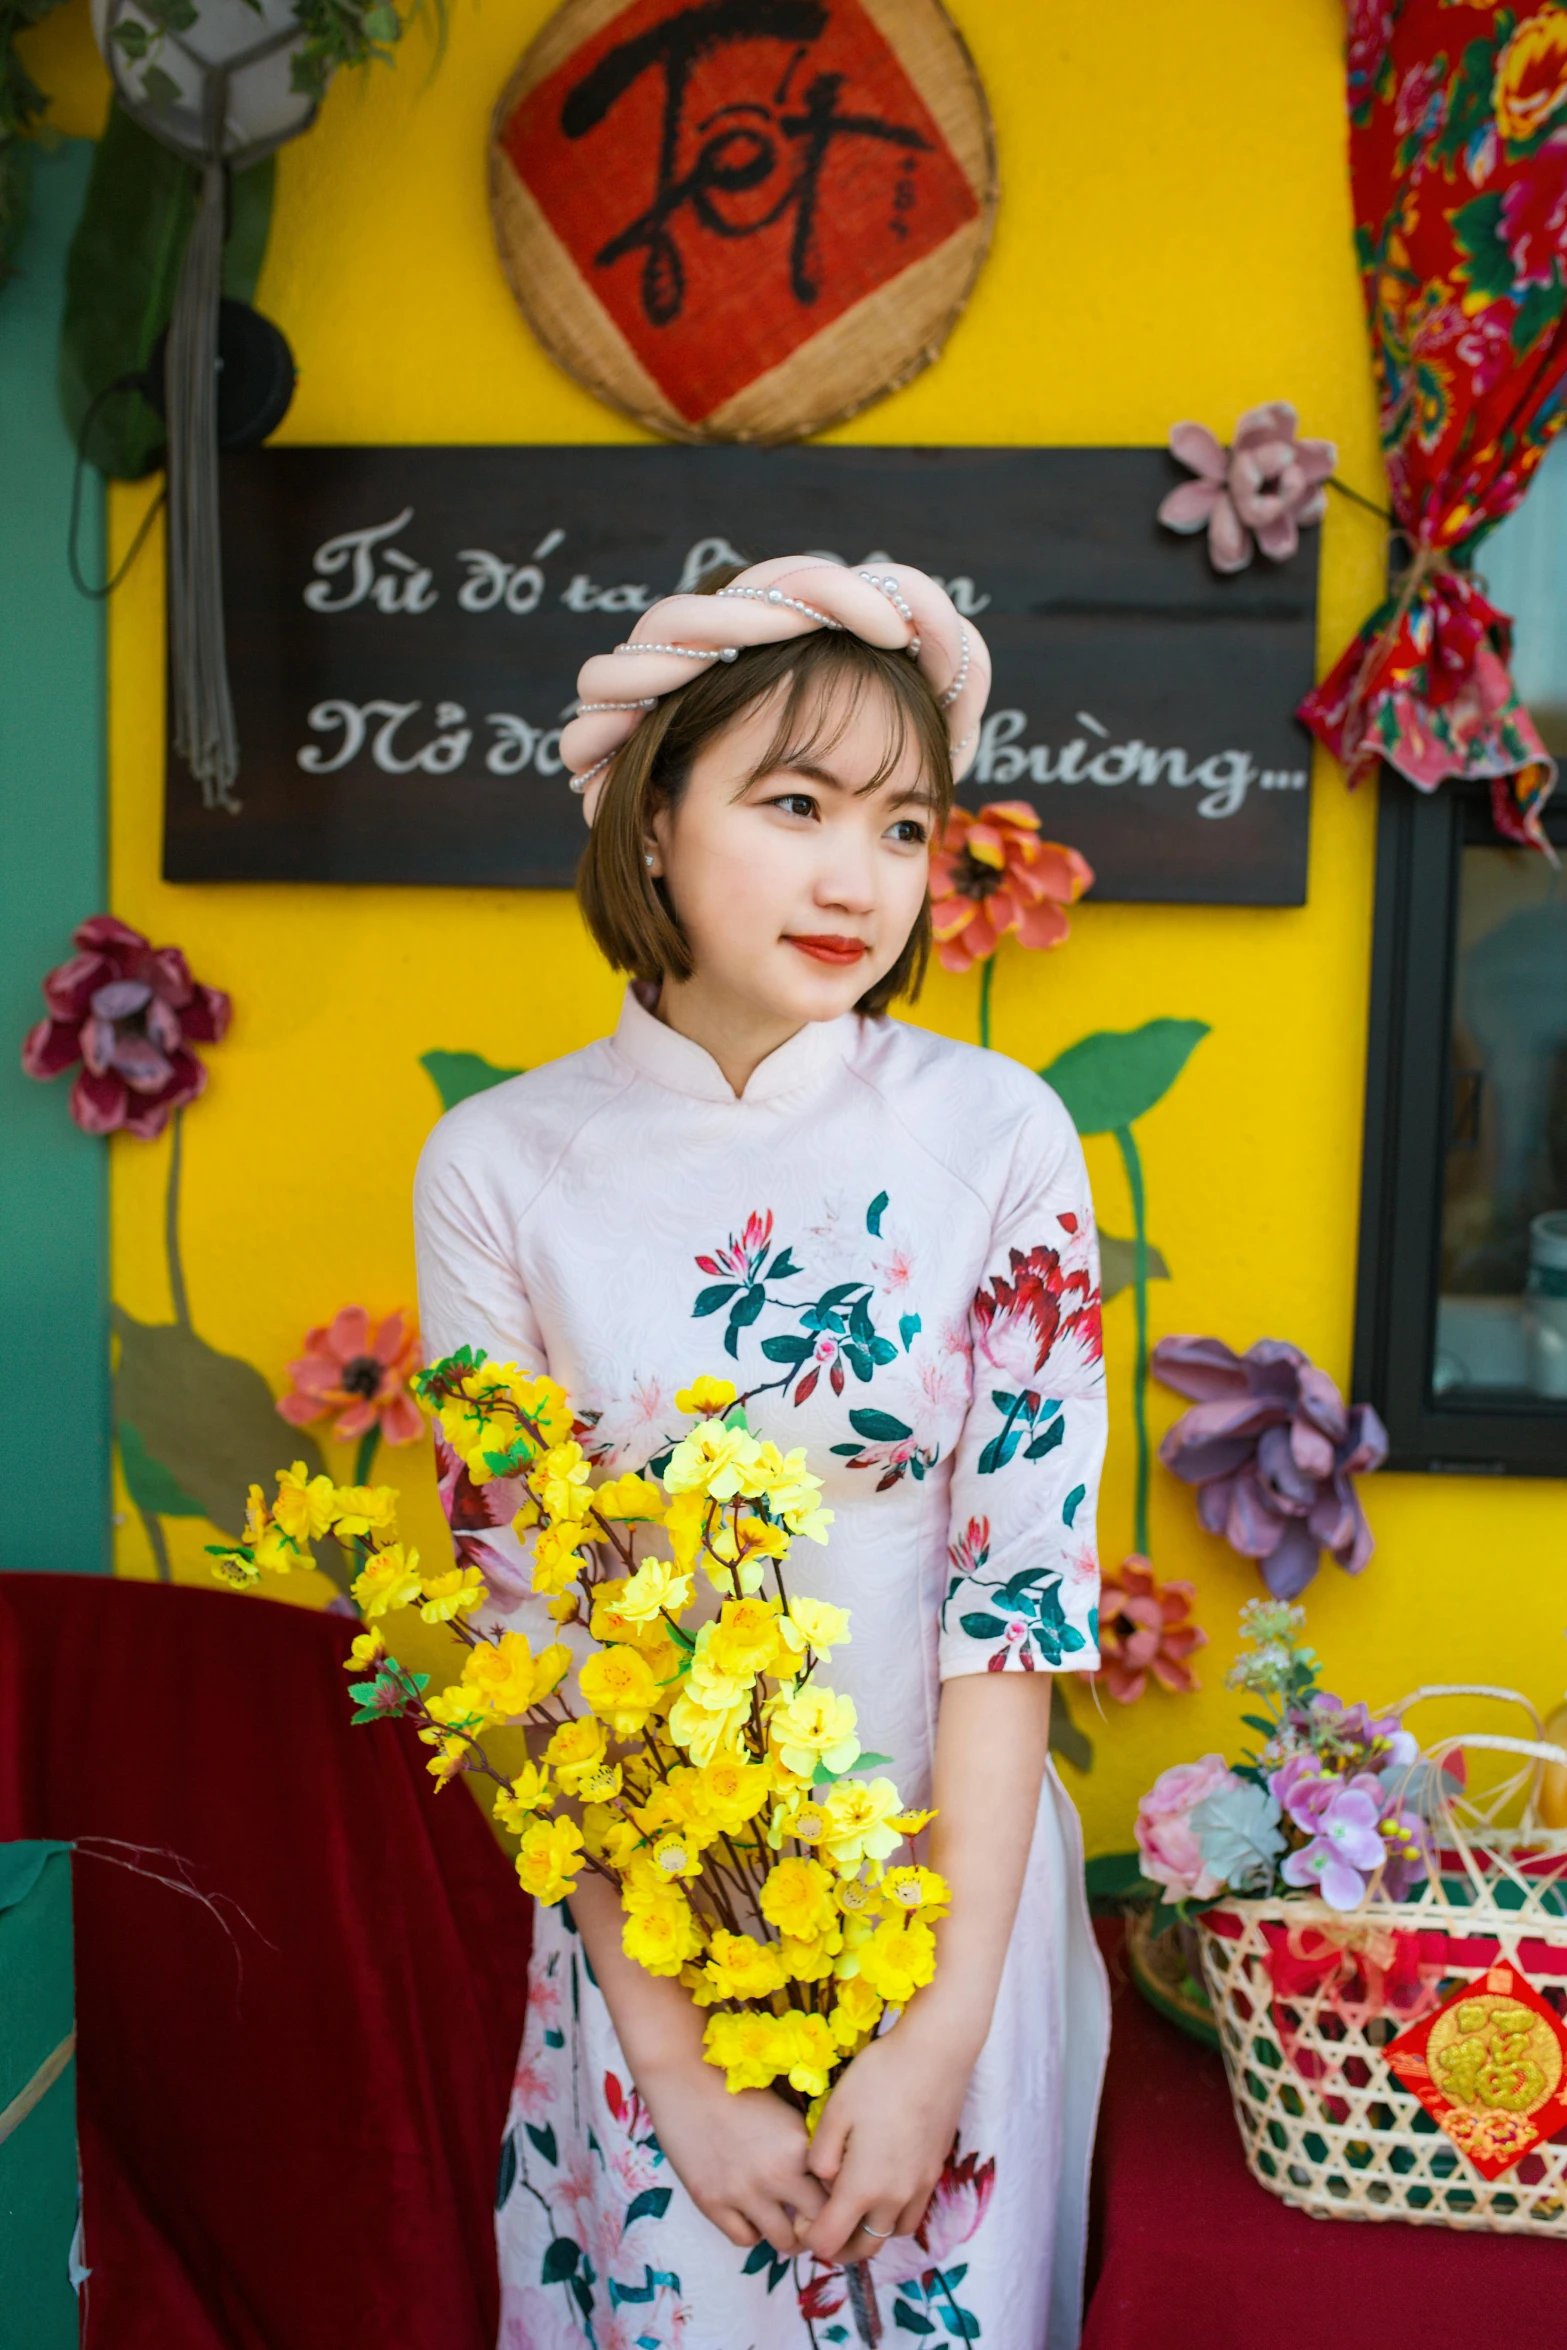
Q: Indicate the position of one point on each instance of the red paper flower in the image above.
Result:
(130, 1012)
(992, 873)
(1143, 1629)
(347, 1369)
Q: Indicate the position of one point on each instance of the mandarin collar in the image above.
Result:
(670, 1059)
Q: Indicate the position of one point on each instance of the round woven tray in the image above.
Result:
(1162, 1973)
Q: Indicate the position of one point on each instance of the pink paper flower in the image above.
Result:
(1266, 486)
(991, 874)
(358, 1373)
(130, 1012)
(1172, 1856)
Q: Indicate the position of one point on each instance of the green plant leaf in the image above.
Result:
(1111, 1078)
(209, 1422)
(1118, 1265)
(148, 1482)
(457, 1075)
(1066, 1739)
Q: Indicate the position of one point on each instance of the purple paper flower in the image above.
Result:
(1274, 1452)
(1267, 485)
(1345, 1852)
(130, 1013)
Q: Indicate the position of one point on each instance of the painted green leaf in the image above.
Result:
(1118, 1265)
(1111, 1078)
(457, 1075)
(148, 1482)
(1066, 1739)
(209, 1423)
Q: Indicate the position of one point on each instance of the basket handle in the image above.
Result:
(1469, 1689)
(1490, 1742)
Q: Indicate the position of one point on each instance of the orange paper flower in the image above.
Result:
(1143, 1629)
(993, 874)
(347, 1369)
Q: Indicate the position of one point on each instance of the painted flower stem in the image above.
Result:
(171, 1223)
(987, 973)
(364, 1458)
(1131, 1159)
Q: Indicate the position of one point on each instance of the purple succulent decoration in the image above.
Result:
(1345, 1851)
(1274, 1452)
(1266, 486)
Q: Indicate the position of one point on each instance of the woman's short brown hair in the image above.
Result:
(627, 910)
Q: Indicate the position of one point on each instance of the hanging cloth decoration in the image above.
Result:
(1458, 163)
(221, 93)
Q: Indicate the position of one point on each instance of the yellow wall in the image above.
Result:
(1174, 240)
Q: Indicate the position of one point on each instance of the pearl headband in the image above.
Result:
(894, 606)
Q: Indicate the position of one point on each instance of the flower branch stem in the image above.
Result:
(987, 973)
(171, 1223)
(1131, 1159)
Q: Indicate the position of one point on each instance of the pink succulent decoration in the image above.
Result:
(360, 1374)
(1172, 1855)
(1274, 1452)
(1267, 486)
(129, 1012)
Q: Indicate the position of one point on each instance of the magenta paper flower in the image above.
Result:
(1266, 485)
(130, 1012)
(1344, 1853)
(1274, 1452)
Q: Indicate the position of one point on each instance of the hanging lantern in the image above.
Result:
(217, 86)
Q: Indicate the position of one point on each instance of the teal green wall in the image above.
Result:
(54, 1416)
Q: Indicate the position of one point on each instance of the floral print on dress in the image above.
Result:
(1026, 1614)
(1035, 1325)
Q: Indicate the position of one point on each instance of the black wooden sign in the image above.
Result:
(405, 626)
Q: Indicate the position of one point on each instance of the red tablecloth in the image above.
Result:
(1194, 2255)
(290, 2128)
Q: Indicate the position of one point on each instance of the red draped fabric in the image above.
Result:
(1458, 161)
(290, 2119)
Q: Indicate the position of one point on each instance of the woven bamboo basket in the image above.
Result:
(1307, 1999)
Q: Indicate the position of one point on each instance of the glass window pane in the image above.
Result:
(1502, 1313)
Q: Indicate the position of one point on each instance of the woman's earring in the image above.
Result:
(648, 861)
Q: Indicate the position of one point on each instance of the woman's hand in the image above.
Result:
(884, 2134)
(740, 2156)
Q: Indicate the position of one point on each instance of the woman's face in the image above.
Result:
(797, 891)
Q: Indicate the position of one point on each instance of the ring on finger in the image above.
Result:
(881, 2233)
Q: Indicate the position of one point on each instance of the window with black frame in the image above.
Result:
(1461, 1338)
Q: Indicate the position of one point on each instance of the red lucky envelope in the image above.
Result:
(1489, 2068)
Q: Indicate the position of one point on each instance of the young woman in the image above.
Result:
(887, 1241)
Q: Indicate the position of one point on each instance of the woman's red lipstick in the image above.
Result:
(831, 949)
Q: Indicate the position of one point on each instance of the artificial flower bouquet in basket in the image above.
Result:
(1385, 1952)
(703, 1767)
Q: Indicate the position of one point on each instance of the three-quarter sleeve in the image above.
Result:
(1022, 1590)
(471, 1293)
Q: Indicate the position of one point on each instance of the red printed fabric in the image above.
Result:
(1458, 156)
(729, 178)
(290, 2096)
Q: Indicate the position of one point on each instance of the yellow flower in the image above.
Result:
(733, 1791)
(456, 1708)
(629, 1500)
(541, 1400)
(897, 1958)
(706, 1732)
(450, 1756)
(812, 2053)
(387, 1580)
(793, 1495)
(577, 1747)
(277, 1553)
(857, 1900)
(601, 1786)
(706, 1396)
(753, 2047)
(744, 1641)
(528, 1793)
(685, 1522)
(856, 2012)
(549, 1854)
(562, 1482)
(809, 1959)
(257, 1516)
(452, 1594)
(233, 1566)
(619, 1685)
(656, 1589)
(507, 1677)
(740, 1967)
(713, 1682)
(858, 1824)
(561, 1610)
(1531, 75)
(610, 1838)
(304, 1503)
(366, 1653)
(812, 1624)
(916, 1889)
(676, 1855)
(814, 1726)
(662, 1936)
(911, 1823)
(797, 1898)
(365, 1510)
(738, 1553)
(714, 1460)
(555, 1559)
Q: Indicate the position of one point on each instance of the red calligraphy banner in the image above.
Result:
(714, 192)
